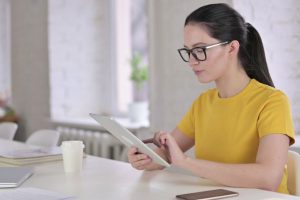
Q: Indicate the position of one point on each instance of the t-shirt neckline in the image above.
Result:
(240, 94)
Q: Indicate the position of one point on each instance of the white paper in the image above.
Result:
(31, 153)
(33, 194)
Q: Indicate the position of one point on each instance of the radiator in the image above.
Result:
(96, 143)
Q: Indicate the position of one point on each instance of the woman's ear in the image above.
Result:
(234, 47)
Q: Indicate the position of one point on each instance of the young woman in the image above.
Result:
(242, 129)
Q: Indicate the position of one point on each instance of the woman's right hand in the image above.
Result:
(138, 160)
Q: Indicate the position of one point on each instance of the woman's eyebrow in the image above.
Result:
(197, 44)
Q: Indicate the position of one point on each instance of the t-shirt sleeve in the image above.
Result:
(187, 123)
(275, 117)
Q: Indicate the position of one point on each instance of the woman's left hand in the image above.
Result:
(169, 144)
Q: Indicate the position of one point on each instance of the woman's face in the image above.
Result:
(215, 65)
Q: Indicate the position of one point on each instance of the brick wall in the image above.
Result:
(79, 51)
(278, 23)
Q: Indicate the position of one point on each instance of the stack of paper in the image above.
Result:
(30, 156)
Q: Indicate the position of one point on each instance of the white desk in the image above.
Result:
(108, 179)
(114, 180)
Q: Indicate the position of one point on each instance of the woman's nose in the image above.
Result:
(193, 61)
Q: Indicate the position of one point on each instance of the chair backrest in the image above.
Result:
(8, 130)
(44, 137)
(293, 166)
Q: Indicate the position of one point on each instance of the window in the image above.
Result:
(90, 44)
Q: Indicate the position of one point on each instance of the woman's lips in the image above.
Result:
(198, 72)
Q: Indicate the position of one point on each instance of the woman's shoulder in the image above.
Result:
(267, 92)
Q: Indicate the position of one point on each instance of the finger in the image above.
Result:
(158, 136)
(141, 162)
(141, 165)
(136, 157)
(156, 142)
(132, 151)
(131, 154)
(163, 138)
(139, 157)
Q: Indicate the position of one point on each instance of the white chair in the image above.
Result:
(44, 137)
(293, 166)
(8, 130)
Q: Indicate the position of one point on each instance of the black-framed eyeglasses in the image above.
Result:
(199, 53)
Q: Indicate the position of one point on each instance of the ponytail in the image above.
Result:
(253, 59)
(226, 24)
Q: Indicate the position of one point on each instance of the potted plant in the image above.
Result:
(7, 113)
(138, 109)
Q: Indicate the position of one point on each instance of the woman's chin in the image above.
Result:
(204, 80)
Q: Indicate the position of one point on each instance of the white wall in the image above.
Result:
(29, 63)
(173, 86)
(4, 47)
(278, 23)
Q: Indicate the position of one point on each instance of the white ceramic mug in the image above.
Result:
(72, 152)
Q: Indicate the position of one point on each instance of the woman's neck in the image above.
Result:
(232, 83)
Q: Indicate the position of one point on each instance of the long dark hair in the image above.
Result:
(226, 24)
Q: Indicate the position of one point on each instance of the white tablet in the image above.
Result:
(128, 138)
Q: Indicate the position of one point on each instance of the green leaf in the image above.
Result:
(139, 71)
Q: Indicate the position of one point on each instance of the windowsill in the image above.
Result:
(89, 123)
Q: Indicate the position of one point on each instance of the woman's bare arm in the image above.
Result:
(265, 173)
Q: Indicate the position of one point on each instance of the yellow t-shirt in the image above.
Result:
(228, 130)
